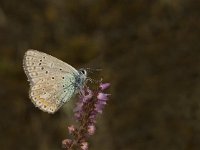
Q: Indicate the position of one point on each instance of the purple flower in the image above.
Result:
(90, 104)
(102, 96)
(104, 86)
(88, 95)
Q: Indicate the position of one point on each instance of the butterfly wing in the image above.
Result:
(52, 81)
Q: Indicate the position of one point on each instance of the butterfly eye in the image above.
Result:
(83, 71)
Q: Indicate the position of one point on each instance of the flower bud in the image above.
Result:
(84, 146)
(91, 129)
(71, 129)
(66, 143)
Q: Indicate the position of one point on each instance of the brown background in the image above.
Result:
(148, 49)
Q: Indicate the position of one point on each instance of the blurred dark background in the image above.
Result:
(149, 51)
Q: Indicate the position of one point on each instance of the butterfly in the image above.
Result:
(52, 81)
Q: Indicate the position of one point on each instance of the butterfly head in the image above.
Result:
(81, 79)
(83, 72)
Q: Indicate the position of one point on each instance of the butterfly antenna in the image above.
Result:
(93, 80)
(92, 70)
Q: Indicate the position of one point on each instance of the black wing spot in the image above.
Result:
(63, 77)
(60, 69)
(40, 64)
(42, 68)
(40, 60)
(52, 78)
(47, 72)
